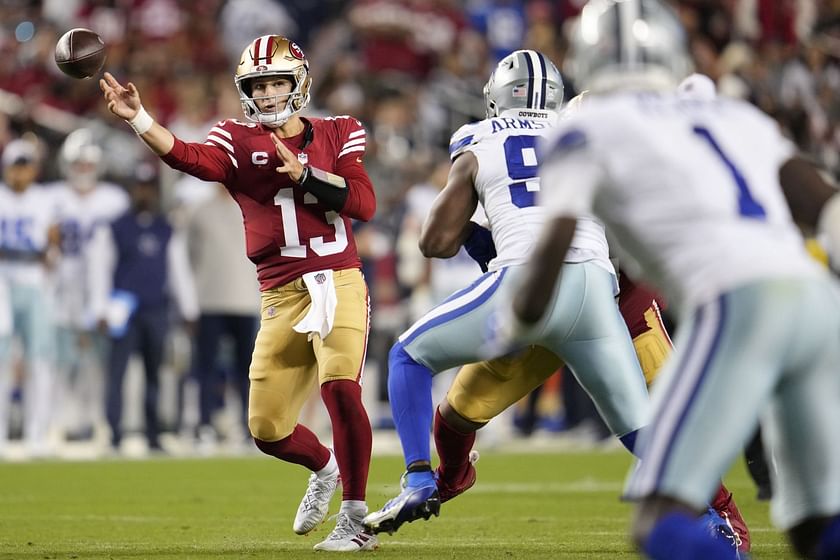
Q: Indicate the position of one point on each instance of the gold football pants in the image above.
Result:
(286, 366)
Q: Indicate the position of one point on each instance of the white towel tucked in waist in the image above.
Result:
(321, 315)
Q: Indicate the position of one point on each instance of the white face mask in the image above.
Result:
(275, 118)
(84, 182)
(295, 101)
(82, 177)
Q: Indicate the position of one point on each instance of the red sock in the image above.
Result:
(721, 497)
(352, 437)
(453, 448)
(301, 448)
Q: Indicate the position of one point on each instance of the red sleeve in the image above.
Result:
(204, 161)
(361, 200)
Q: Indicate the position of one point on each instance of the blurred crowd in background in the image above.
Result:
(412, 71)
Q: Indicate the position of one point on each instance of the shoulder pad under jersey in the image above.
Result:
(466, 136)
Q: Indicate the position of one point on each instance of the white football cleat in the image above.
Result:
(348, 535)
(315, 504)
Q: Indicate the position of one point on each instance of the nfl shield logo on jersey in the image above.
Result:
(303, 158)
(320, 278)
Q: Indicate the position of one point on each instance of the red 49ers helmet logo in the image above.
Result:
(295, 51)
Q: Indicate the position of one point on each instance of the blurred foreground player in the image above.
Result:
(495, 163)
(299, 182)
(701, 196)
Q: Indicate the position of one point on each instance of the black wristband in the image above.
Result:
(330, 190)
(303, 176)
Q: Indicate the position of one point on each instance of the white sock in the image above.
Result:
(329, 468)
(354, 506)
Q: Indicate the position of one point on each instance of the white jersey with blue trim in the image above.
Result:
(25, 221)
(80, 213)
(507, 149)
(689, 188)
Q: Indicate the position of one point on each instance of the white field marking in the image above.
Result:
(88, 546)
(617, 522)
(89, 517)
(485, 541)
(584, 485)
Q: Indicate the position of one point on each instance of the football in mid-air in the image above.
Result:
(80, 53)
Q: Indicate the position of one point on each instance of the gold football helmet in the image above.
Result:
(273, 55)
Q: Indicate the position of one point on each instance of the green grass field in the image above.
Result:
(523, 506)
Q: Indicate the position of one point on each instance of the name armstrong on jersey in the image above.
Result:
(520, 121)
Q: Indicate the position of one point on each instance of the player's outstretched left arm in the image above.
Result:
(330, 189)
(448, 224)
(350, 194)
(124, 102)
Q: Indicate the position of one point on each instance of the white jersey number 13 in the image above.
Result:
(292, 246)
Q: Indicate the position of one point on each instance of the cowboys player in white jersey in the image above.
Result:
(86, 203)
(495, 164)
(27, 243)
(695, 192)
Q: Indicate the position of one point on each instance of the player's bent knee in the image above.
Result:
(266, 430)
(470, 411)
(336, 367)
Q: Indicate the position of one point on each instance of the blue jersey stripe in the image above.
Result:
(704, 370)
(455, 146)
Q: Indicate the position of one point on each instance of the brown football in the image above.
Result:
(80, 53)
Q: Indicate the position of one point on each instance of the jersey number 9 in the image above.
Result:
(521, 160)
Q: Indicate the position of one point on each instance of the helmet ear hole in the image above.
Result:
(247, 88)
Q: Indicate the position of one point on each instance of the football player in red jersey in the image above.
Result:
(299, 182)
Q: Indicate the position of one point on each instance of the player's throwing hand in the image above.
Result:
(291, 165)
(124, 102)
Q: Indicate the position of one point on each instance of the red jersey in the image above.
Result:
(287, 231)
(633, 302)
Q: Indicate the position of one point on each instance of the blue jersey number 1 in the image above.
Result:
(521, 160)
(747, 205)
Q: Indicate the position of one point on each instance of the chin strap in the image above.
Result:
(276, 123)
(330, 190)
